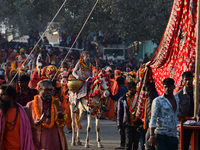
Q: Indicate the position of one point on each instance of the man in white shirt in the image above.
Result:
(163, 120)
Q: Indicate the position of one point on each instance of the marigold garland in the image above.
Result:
(13, 70)
(60, 122)
(82, 67)
(141, 72)
(132, 76)
(129, 105)
(44, 124)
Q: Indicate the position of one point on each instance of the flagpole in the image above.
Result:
(196, 96)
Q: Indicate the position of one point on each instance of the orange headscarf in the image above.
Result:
(115, 86)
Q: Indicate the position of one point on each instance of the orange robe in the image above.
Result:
(65, 104)
(12, 139)
(111, 105)
(18, 137)
(115, 86)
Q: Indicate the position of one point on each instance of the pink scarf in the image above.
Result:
(25, 131)
(26, 141)
(1, 116)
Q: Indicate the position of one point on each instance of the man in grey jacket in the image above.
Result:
(186, 96)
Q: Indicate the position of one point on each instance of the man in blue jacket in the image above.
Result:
(120, 93)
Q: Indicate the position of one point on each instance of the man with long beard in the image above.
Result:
(44, 111)
(82, 71)
(15, 130)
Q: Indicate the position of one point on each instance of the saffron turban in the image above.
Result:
(12, 71)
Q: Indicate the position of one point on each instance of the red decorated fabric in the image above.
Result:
(176, 52)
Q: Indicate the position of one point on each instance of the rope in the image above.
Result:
(38, 40)
(76, 38)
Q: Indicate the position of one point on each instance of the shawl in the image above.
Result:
(26, 141)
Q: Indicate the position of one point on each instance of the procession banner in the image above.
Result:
(176, 52)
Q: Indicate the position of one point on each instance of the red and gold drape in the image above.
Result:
(176, 52)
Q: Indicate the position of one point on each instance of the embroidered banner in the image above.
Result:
(176, 52)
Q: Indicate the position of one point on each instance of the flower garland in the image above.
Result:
(96, 80)
(132, 118)
(133, 75)
(82, 67)
(44, 124)
(141, 72)
(61, 122)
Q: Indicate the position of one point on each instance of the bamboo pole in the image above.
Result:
(196, 96)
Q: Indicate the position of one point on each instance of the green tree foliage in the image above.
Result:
(133, 19)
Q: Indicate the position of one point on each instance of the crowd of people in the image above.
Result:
(95, 36)
(35, 100)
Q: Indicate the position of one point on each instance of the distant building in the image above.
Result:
(147, 47)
